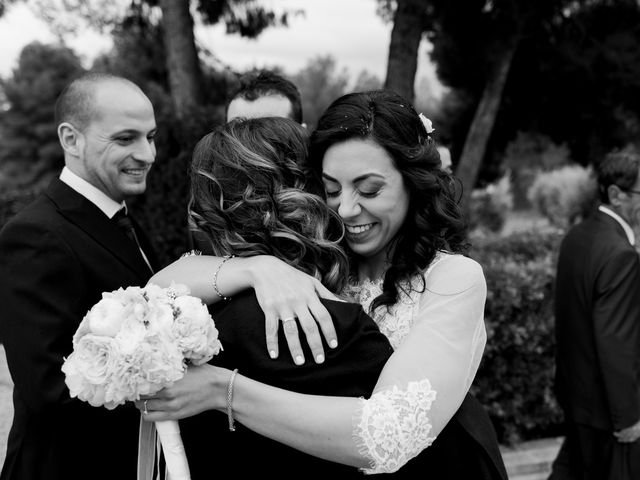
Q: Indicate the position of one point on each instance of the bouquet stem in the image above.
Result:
(174, 454)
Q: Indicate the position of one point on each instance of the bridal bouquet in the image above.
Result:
(136, 341)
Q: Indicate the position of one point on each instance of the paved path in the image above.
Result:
(529, 461)
(6, 404)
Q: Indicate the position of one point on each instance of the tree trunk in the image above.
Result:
(477, 139)
(183, 65)
(408, 25)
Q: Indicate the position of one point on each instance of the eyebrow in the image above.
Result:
(357, 179)
(133, 131)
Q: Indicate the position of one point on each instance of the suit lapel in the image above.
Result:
(611, 224)
(89, 218)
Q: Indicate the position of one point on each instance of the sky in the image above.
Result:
(349, 30)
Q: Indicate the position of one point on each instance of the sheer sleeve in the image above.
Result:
(425, 380)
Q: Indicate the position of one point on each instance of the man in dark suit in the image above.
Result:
(597, 310)
(56, 258)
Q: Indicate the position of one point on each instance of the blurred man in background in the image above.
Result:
(597, 312)
(265, 94)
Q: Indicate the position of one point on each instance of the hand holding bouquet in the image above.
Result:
(137, 341)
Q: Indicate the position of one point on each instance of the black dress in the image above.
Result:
(467, 444)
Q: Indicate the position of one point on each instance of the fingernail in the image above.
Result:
(319, 358)
(272, 354)
(333, 343)
(299, 360)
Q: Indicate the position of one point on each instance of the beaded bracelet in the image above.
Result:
(215, 276)
(232, 427)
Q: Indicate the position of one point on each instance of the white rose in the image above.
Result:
(155, 364)
(89, 368)
(160, 319)
(195, 330)
(131, 336)
(106, 317)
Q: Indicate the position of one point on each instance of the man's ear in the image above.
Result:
(69, 138)
(614, 193)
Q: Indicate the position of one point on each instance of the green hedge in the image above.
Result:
(515, 379)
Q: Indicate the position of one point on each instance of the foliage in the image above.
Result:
(366, 81)
(244, 17)
(515, 379)
(575, 76)
(527, 155)
(3, 5)
(319, 84)
(490, 205)
(29, 151)
(564, 195)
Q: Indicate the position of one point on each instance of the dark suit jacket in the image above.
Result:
(597, 310)
(56, 258)
(350, 370)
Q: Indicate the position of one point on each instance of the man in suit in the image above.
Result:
(597, 310)
(56, 258)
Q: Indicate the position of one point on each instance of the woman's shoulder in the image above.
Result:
(453, 263)
(454, 270)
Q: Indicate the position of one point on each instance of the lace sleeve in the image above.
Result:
(441, 352)
(394, 426)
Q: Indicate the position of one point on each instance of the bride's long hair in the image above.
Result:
(248, 197)
(435, 221)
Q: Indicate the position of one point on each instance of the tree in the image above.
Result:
(366, 81)
(29, 151)
(244, 17)
(185, 76)
(483, 49)
(319, 85)
(3, 5)
(475, 144)
(409, 23)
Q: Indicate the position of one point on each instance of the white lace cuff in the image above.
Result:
(393, 426)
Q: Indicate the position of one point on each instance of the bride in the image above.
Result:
(380, 172)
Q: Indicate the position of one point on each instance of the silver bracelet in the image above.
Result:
(232, 427)
(215, 276)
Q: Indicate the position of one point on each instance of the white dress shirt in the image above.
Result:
(96, 196)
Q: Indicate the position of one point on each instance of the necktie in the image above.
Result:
(123, 220)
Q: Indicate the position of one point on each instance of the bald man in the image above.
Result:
(56, 258)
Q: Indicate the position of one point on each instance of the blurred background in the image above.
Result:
(525, 96)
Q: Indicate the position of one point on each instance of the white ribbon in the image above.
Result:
(170, 442)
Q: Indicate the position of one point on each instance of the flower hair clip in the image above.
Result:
(427, 123)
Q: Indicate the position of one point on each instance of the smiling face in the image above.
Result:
(116, 149)
(366, 189)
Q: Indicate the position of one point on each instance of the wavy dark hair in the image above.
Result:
(248, 198)
(435, 221)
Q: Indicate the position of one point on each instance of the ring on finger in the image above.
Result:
(288, 319)
(145, 411)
